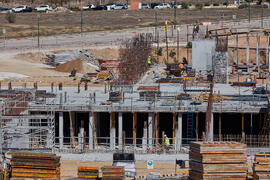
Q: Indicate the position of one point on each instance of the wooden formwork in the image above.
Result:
(85, 172)
(218, 160)
(35, 165)
(261, 166)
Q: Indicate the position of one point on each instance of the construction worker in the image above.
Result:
(182, 68)
(167, 141)
(149, 61)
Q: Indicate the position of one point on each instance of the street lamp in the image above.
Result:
(38, 16)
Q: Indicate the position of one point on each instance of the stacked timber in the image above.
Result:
(113, 173)
(261, 166)
(85, 172)
(35, 165)
(218, 160)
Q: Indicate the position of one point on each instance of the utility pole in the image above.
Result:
(249, 11)
(174, 14)
(178, 29)
(81, 21)
(166, 34)
(156, 23)
(262, 15)
(38, 16)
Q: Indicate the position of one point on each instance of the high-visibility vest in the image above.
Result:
(167, 141)
(149, 60)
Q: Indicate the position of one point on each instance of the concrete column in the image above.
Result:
(91, 130)
(112, 131)
(144, 141)
(81, 139)
(150, 129)
(120, 130)
(211, 128)
(179, 131)
(61, 130)
(247, 55)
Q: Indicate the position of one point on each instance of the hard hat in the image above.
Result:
(165, 135)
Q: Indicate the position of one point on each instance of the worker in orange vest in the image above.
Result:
(182, 68)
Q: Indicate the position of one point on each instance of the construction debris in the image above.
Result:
(35, 165)
(261, 166)
(61, 58)
(218, 160)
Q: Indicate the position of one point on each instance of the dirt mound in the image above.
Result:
(81, 66)
(37, 57)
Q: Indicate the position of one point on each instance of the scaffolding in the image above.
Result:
(20, 129)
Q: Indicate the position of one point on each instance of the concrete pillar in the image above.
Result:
(112, 131)
(179, 131)
(150, 129)
(61, 130)
(120, 130)
(91, 131)
(211, 128)
(144, 141)
(247, 55)
(81, 139)
(257, 54)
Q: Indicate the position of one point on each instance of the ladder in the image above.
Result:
(189, 126)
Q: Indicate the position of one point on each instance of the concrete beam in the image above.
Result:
(120, 130)
(61, 130)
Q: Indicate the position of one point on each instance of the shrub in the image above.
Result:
(226, 3)
(215, 4)
(207, 4)
(159, 52)
(189, 44)
(172, 53)
(11, 17)
(184, 5)
(199, 5)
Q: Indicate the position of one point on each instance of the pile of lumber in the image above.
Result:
(218, 160)
(261, 166)
(85, 172)
(113, 173)
(35, 165)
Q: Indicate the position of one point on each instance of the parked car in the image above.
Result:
(28, 9)
(120, 6)
(100, 7)
(163, 6)
(5, 10)
(153, 5)
(127, 160)
(89, 6)
(43, 8)
(18, 9)
(145, 6)
(110, 6)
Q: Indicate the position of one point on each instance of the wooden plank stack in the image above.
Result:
(261, 166)
(218, 160)
(85, 172)
(113, 173)
(35, 165)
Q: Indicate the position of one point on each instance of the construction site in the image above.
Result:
(191, 99)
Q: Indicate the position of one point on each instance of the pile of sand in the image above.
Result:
(81, 66)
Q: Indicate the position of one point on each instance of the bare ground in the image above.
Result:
(67, 23)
